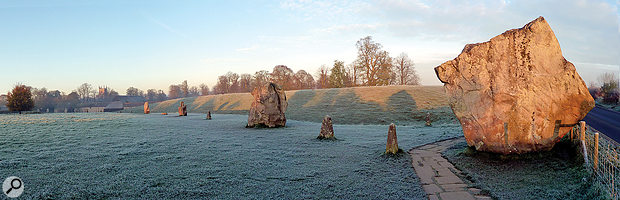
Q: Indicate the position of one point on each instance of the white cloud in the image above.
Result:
(599, 66)
(351, 27)
(588, 31)
(323, 10)
(247, 49)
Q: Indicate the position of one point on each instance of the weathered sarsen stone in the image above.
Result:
(182, 109)
(327, 128)
(268, 107)
(146, 108)
(515, 93)
(391, 147)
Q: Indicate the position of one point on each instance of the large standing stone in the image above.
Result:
(392, 144)
(327, 128)
(209, 115)
(182, 109)
(510, 92)
(268, 107)
(146, 108)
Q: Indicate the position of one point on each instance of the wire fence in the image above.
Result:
(601, 159)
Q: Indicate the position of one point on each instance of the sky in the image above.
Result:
(60, 44)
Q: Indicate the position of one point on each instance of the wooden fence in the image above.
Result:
(601, 157)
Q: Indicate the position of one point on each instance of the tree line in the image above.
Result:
(607, 91)
(372, 67)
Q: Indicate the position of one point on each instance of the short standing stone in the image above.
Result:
(392, 144)
(428, 119)
(268, 107)
(209, 115)
(146, 108)
(510, 92)
(182, 109)
(327, 129)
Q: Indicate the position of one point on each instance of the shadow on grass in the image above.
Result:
(343, 104)
(346, 107)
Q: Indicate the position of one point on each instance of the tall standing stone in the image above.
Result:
(327, 128)
(146, 108)
(182, 109)
(268, 107)
(511, 94)
(392, 144)
(209, 115)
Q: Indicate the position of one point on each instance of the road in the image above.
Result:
(605, 121)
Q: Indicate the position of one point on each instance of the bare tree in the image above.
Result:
(151, 95)
(233, 82)
(132, 91)
(84, 91)
(222, 86)
(353, 72)
(260, 78)
(174, 91)
(303, 80)
(323, 77)
(609, 87)
(374, 63)
(184, 88)
(45, 100)
(194, 91)
(113, 93)
(283, 76)
(161, 96)
(204, 89)
(405, 72)
(608, 81)
(39, 97)
(245, 83)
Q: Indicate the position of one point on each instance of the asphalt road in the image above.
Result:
(605, 121)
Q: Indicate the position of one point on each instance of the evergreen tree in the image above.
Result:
(338, 76)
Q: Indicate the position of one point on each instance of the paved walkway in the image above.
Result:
(440, 179)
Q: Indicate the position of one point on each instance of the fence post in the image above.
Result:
(582, 138)
(595, 151)
(582, 134)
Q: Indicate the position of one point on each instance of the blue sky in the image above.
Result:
(152, 44)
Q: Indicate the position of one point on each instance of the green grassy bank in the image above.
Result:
(403, 105)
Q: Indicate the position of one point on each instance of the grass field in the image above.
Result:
(557, 174)
(137, 156)
(405, 105)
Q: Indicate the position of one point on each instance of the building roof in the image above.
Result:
(129, 99)
(115, 105)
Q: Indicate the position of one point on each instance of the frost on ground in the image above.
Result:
(105, 155)
(404, 105)
(556, 174)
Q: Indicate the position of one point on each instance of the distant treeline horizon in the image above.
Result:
(373, 67)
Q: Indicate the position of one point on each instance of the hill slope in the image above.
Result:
(359, 105)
